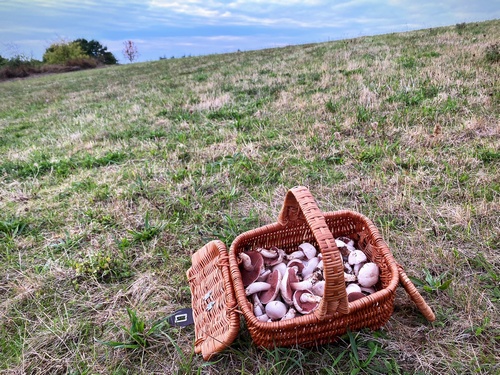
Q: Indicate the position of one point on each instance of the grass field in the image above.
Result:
(110, 179)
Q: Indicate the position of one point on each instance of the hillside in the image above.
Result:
(110, 180)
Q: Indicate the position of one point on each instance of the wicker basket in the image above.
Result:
(300, 220)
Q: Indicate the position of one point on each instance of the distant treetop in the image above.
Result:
(95, 49)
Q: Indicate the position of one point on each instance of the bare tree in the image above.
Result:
(130, 51)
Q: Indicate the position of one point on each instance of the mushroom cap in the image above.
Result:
(289, 277)
(310, 266)
(352, 288)
(356, 257)
(343, 248)
(280, 267)
(248, 276)
(305, 301)
(273, 256)
(299, 263)
(319, 288)
(354, 296)
(367, 290)
(274, 279)
(308, 250)
(349, 242)
(368, 275)
(276, 309)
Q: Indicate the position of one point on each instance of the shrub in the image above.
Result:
(62, 52)
(18, 67)
(96, 50)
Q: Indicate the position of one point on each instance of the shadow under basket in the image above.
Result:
(218, 294)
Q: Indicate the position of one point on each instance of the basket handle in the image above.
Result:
(299, 205)
(415, 296)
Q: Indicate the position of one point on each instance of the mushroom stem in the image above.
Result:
(246, 261)
(299, 254)
(308, 297)
(263, 276)
(271, 253)
(290, 314)
(349, 278)
(257, 286)
(305, 284)
(310, 267)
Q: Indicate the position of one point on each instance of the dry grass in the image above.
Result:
(110, 180)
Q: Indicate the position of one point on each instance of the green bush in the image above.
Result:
(61, 53)
(96, 50)
(18, 66)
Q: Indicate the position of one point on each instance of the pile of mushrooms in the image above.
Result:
(282, 286)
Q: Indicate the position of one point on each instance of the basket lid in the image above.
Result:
(216, 320)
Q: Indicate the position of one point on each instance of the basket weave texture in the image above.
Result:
(300, 220)
(212, 299)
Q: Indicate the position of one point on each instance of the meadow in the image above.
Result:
(110, 179)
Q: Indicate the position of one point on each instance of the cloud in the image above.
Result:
(249, 13)
(252, 24)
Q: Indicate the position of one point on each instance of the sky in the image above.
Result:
(176, 28)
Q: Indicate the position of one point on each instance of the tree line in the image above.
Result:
(63, 56)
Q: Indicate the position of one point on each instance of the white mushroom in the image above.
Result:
(263, 318)
(320, 265)
(369, 290)
(290, 276)
(276, 310)
(275, 260)
(299, 254)
(368, 275)
(270, 254)
(352, 288)
(304, 284)
(308, 250)
(319, 288)
(310, 267)
(349, 278)
(274, 280)
(290, 314)
(281, 267)
(298, 263)
(305, 302)
(252, 265)
(348, 268)
(258, 307)
(356, 257)
(256, 287)
(263, 276)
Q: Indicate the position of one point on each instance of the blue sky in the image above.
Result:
(198, 27)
